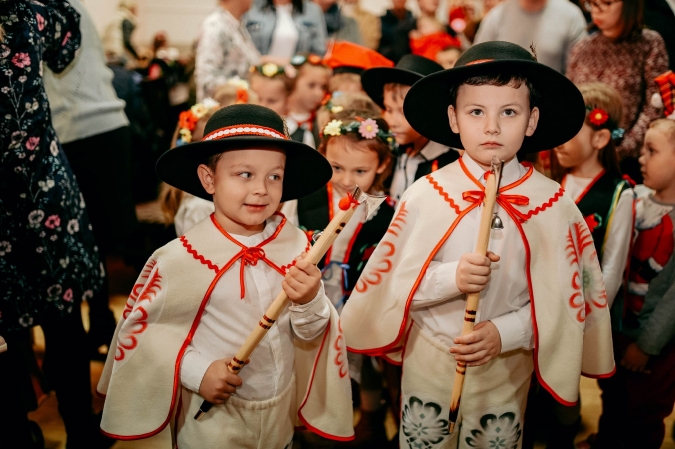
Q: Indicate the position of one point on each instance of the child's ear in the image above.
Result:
(532, 123)
(452, 116)
(206, 177)
(601, 138)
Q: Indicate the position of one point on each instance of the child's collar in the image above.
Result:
(512, 171)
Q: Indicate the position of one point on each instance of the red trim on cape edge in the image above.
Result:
(198, 256)
(393, 344)
(588, 187)
(304, 401)
(545, 205)
(600, 376)
(443, 194)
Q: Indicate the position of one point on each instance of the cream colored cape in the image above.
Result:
(140, 379)
(569, 305)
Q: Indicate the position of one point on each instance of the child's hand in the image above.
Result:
(218, 382)
(473, 271)
(302, 281)
(478, 346)
(634, 359)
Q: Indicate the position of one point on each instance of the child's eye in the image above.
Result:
(275, 177)
(336, 168)
(476, 112)
(245, 174)
(509, 112)
(361, 172)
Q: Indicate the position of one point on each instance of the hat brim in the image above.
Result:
(306, 169)
(561, 105)
(373, 81)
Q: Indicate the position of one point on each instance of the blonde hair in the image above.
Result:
(339, 79)
(226, 95)
(667, 126)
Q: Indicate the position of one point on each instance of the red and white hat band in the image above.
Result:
(244, 130)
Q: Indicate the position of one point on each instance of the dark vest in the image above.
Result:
(313, 217)
(598, 204)
(432, 165)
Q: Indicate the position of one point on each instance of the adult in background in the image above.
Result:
(370, 26)
(225, 48)
(117, 35)
(49, 262)
(552, 26)
(338, 26)
(393, 21)
(283, 28)
(94, 132)
(660, 17)
(628, 57)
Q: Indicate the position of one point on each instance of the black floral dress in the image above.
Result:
(48, 258)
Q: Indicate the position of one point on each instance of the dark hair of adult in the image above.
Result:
(297, 5)
(632, 18)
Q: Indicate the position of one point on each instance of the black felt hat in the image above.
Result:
(409, 70)
(243, 126)
(561, 106)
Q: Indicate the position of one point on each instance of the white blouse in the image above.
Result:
(285, 36)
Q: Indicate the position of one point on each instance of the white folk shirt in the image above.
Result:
(285, 37)
(406, 167)
(228, 320)
(438, 305)
(617, 242)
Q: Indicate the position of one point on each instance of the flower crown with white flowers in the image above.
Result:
(366, 128)
(187, 120)
(600, 118)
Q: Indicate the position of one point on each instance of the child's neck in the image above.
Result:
(237, 228)
(295, 107)
(590, 168)
(666, 195)
(489, 166)
(416, 146)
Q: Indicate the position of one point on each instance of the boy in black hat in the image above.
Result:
(201, 295)
(418, 155)
(542, 307)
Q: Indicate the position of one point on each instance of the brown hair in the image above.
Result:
(227, 95)
(632, 18)
(347, 101)
(289, 83)
(514, 80)
(381, 148)
(604, 96)
(169, 201)
(397, 90)
(665, 125)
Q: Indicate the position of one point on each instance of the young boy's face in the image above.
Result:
(246, 186)
(393, 115)
(657, 159)
(271, 93)
(492, 121)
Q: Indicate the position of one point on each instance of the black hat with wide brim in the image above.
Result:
(561, 106)
(409, 70)
(245, 126)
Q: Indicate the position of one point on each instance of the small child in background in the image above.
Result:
(272, 84)
(637, 399)
(309, 89)
(448, 56)
(339, 101)
(417, 155)
(592, 178)
(348, 61)
(358, 146)
(431, 39)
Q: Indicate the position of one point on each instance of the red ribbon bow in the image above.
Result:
(506, 201)
(249, 256)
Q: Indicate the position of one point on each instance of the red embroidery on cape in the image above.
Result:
(544, 206)
(198, 256)
(136, 289)
(136, 325)
(341, 356)
(384, 265)
(443, 193)
(585, 293)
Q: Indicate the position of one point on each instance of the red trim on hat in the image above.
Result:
(246, 130)
(478, 61)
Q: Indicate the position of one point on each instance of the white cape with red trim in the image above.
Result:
(140, 379)
(569, 305)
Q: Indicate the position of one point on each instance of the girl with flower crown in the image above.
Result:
(589, 172)
(358, 145)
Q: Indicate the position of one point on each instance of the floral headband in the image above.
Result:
(327, 103)
(188, 119)
(366, 128)
(270, 70)
(299, 60)
(600, 117)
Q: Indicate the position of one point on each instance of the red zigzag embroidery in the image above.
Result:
(198, 256)
(443, 194)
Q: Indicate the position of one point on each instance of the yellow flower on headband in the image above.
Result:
(333, 128)
(199, 110)
(336, 109)
(186, 135)
(269, 69)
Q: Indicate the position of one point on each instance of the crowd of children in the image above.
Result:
(578, 279)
